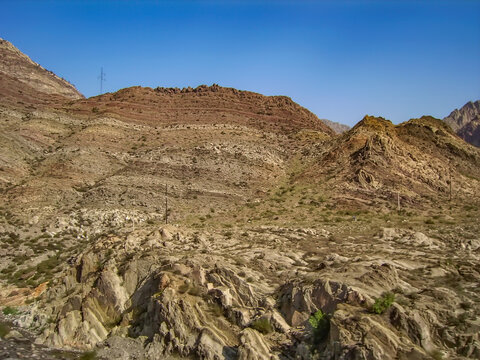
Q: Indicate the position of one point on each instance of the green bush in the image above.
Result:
(8, 310)
(383, 303)
(320, 324)
(262, 325)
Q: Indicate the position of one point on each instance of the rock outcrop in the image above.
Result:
(171, 300)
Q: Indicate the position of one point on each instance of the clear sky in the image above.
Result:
(340, 59)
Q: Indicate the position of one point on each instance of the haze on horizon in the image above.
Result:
(339, 59)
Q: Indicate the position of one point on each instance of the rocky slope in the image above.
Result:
(466, 122)
(18, 66)
(284, 240)
(380, 163)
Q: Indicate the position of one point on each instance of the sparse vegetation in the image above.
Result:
(320, 324)
(383, 303)
(216, 309)
(262, 325)
(9, 310)
(89, 355)
(183, 288)
(4, 330)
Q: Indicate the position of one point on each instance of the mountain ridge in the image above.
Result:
(16, 64)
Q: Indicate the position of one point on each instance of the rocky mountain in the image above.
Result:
(209, 145)
(213, 223)
(335, 126)
(466, 122)
(415, 161)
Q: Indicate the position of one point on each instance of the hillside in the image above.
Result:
(466, 122)
(14, 64)
(214, 223)
(210, 145)
(377, 161)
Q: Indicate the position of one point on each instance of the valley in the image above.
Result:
(215, 223)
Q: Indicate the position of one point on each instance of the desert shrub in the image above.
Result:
(48, 265)
(383, 303)
(240, 261)
(436, 354)
(4, 330)
(216, 310)
(320, 324)
(183, 288)
(194, 291)
(89, 355)
(262, 325)
(8, 310)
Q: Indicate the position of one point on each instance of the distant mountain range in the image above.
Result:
(335, 126)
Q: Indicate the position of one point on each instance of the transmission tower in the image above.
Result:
(102, 79)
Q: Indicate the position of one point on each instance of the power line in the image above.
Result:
(102, 79)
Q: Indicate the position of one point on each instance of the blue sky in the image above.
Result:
(340, 59)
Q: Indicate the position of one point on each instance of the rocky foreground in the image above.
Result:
(254, 293)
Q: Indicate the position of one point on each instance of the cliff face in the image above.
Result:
(466, 122)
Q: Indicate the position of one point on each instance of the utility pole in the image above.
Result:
(450, 186)
(166, 203)
(395, 186)
(102, 79)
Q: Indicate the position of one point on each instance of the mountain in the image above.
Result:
(215, 223)
(417, 160)
(466, 122)
(210, 145)
(335, 126)
(19, 74)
